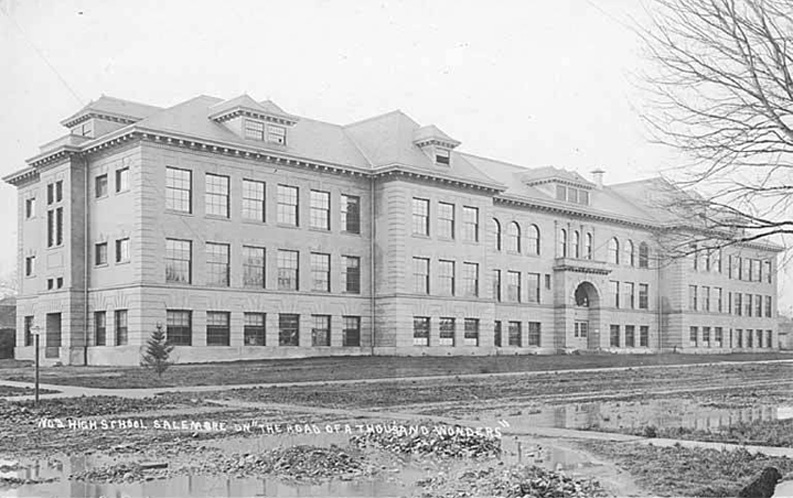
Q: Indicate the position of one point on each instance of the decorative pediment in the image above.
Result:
(245, 106)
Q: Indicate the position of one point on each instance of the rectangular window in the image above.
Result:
(581, 329)
(350, 213)
(100, 186)
(442, 156)
(50, 193)
(421, 275)
(534, 287)
(351, 276)
(254, 329)
(178, 261)
(644, 336)
(179, 328)
(692, 297)
(447, 331)
(630, 336)
(253, 200)
(217, 195)
(534, 333)
(471, 334)
(276, 134)
(747, 301)
(351, 331)
(100, 328)
(719, 299)
(59, 282)
(178, 189)
(497, 333)
(50, 228)
(759, 333)
(58, 226)
(288, 329)
(288, 205)
(421, 331)
(749, 338)
(628, 289)
(514, 334)
(706, 336)
(768, 312)
(739, 338)
(769, 343)
(253, 266)
(218, 333)
(758, 305)
(615, 293)
(122, 179)
(693, 336)
(319, 216)
(122, 250)
(644, 296)
(288, 270)
(513, 287)
(122, 330)
(470, 224)
(30, 207)
(29, 330)
(718, 337)
(738, 304)
(767, 265)
(218, 264)
(471, 279)
(421, 216)
(614, 337)
(446, 277)
(706, 298)
(100, 254)
(445, 220)
(497, 285)
(30, 266)
(254, 130)
(320, 272)
(320, 330)
(59, 191)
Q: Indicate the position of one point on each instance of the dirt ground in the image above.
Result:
(153, 430)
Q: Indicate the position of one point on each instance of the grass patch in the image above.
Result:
(352, 368)
(21, 391)
(760, 433)
(678, 471)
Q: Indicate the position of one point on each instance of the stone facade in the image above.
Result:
(396, 231)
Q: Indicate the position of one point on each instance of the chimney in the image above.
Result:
(597, 174)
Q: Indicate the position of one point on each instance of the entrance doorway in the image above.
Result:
(585, 316)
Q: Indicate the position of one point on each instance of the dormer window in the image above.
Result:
(276, 134)
(572, 194)
(254, 129)
(442, 156)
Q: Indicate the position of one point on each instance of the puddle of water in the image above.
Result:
(783, 490)
(658, 413)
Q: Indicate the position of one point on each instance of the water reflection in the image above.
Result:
(661, 414)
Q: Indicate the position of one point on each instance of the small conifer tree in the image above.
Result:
(158, 352)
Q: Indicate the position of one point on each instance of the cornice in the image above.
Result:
(569, 211)
(118, 118)
(240, 111)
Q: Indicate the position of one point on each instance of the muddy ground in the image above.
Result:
(542, 419)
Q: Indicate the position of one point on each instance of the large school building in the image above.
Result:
(248, 232)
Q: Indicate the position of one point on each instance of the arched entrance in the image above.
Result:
(586, 323)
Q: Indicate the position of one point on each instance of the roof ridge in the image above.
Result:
(505, 163)
(379, 116)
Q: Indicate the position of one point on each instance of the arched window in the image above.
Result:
(627, 259)
(576, 244)
(589, 254)
(534, 240)
(614, 251)
(496, 234)
(644, 255)
(513, 237)
(563, 243)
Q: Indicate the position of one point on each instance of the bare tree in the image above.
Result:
(722, 94)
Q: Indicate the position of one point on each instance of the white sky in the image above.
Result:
(531, 82)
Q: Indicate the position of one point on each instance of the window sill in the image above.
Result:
(103, 265)
(354, 234)
(100, 197)
(217, 217)
(317, 229)
(253, 221)
(179, 213)
(285, 225)
(125, 262)
(420, 236)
